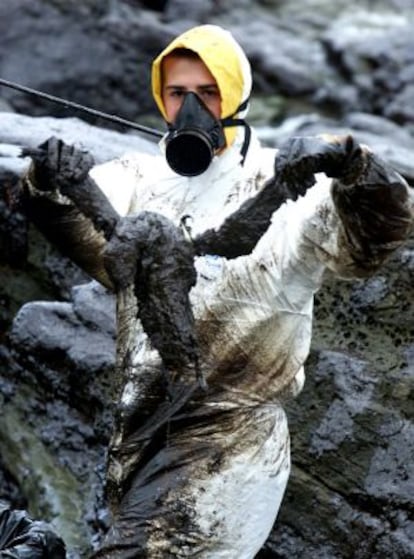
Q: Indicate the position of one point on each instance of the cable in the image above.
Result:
(77, 106)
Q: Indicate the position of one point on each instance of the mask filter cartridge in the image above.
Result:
(194, 137)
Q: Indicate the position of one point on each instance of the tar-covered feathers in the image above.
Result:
(149, 251)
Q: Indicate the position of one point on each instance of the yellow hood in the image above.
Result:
(226, 61)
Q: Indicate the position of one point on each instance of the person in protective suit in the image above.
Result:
(199, 458)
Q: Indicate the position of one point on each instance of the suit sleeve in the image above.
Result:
(349, 229)
(376, 216)
(74, 234)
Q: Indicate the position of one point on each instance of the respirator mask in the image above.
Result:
(194, 137)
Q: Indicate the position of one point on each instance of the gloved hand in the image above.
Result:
(61, 167)
(299, 158)
(57, 165)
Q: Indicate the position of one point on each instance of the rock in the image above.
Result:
(56, 422)
(189, 11)
(400, 109)
(104, 144)
(81, 332)
(56, 63)
(376, 61)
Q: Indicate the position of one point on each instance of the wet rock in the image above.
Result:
(82, 331)
(373, 60)
(400, 109)
(13, 225)
(55, 392)
(188, 11)
(56, 63)
(102, 143)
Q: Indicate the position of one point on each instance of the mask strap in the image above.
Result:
(230, 121)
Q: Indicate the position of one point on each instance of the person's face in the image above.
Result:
(182, 75)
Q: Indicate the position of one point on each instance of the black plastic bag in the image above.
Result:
(24, 538)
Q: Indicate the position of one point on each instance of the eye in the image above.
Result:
(174, 93)
(177, 93)
(210, 94)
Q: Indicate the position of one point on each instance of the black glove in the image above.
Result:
(57, 165)
(62, 167)
(299, 158)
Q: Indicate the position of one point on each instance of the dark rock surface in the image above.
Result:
(318, 66)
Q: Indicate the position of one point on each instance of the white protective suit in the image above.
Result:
(212, 488)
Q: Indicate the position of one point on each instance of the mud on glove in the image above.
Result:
(299, 158)
(63, 168)
(55, 165)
